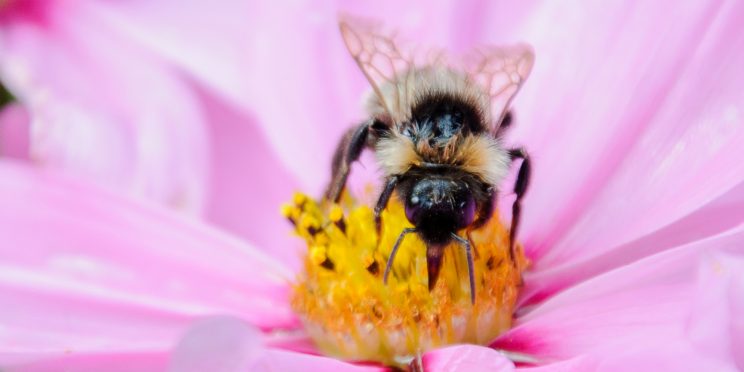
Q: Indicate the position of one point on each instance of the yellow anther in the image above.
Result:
(317, 255)
(299, 198)
(322, 239)
(368, 260)
(309, 223)
(287, 210)
(336, 213)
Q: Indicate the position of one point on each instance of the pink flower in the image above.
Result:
(633, 222)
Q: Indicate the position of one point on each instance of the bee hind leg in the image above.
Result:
(520, 188)
(348, 151)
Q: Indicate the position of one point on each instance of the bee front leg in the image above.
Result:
(347, 152)
(383, 201)
(391, 258)
(520, 188)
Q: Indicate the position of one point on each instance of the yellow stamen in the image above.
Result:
(336, 214)
(351, 314)
(287, 210)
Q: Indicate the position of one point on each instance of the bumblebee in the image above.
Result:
(436, 129)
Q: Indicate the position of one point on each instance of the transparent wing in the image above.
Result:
(501, 71)
(380, 59)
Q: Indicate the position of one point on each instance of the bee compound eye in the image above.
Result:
(465, 210)
(468, 212)
(413, 209)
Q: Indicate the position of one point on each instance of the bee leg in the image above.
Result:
(383, 201)
(347, 152)
(482, 216)
(389, 264)
(468, 233)
(469, 255)
(417, 364)
(520, 188)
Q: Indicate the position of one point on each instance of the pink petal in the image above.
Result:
(227, 344)
(118, 274)
(248, 183)
(125, 361)
(629, 130)
(466, 357)
(280, 360)
(715, 315)
(14, 132)
(292, 340)
(101, 107)
(582, 363)
(281, 80)
(716, 217)
(639, 312)
(673, 357)
(206, 41)
(306, 57)
(219, 344)
(248, 174)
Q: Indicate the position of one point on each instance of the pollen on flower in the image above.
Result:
(350, 313)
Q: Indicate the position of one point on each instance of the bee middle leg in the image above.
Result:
(348, 151)
(520, 188)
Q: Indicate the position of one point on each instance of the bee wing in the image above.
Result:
(501, 72)
(380, 59)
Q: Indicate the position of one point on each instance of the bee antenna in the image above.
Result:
(469, 254)
(389, 264)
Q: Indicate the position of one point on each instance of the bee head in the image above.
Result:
(438, 206)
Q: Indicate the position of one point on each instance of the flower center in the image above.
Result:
(350, 313)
